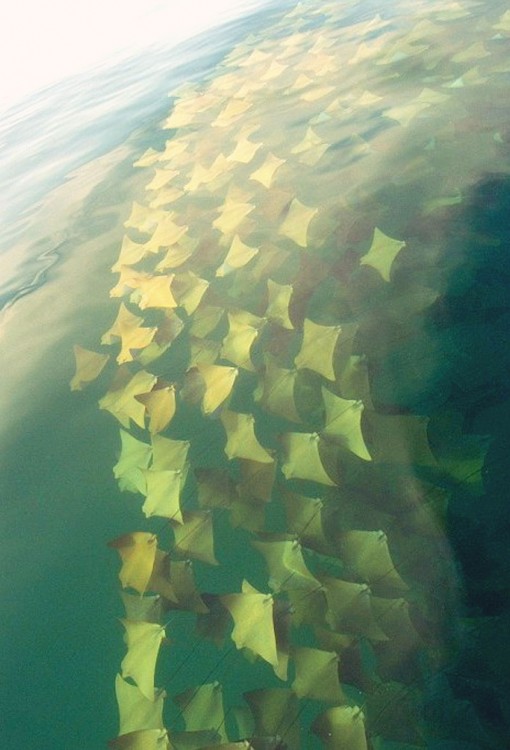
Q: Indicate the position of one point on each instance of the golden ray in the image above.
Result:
(241, 439)
(350, 609)
(286, 566)
(148, 158)
(145, 739)
(382, 253)
(316, 92)
(205, 175)
(231, 215)
(296, 224)
(343, 421)
(122, 402)
(166, 197)
(124, 321)
(136, 711)
(178, 254)
(252, 613)
(143, 218)
(244, 329)
(88, 366)
(368, 554)
(143, 640)
(311, 149)
(202, 709)
(134, 339)
(318, 348)
(135, 455)
(279, 297)
(130, 254)
(231, 112)
(142, 608)
(160, 406)
(174, 148)
(195, 537)
(277, 392)
(188, 289)
(503, 23)
(273, 70)
(304, 519)
(129, 279)
(342, 728)
(238, 256)
(166, 233)
(397, 438)
(266, 172)
(161, 178)
(219, 381)
(169, 454)
(160, 581)
(205, 320)
(163, 493)
(138, 553)
(302, 458)
(317, 675)
(245, 149)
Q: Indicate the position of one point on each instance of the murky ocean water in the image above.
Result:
(315, 235)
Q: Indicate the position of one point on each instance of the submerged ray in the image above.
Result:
(238, 256)
(88, 366)
(316, 675)
(302, 458)
(163, 493)
(343, 421)
(202, 709)
(219, 381)
(367, 552)
(318, 348)
(266, 172)
(382, 253)
(160, 405)
(136, 711)
(279, 298)
(342, 728)
(195, 537)
(143, 640)
(241, 439)
(277, 391)
(296, 224)
(286, 565)
(276, 715)
(138, 553)
(135, 456)
(243, 330)
(144, 739)
(304, 518)
(252, 613)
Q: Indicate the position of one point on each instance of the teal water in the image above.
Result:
(446, 359)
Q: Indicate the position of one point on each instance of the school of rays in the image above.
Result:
(260, 285)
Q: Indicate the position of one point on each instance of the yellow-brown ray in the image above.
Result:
(160, 406)
(241, 439)
(122, 402)
(232, 111)
(160, 580)
(131, 252)
(382, 253)
(143, 218)
(266, 172)
(252, 613)
(184, 587)
(148, 608)
(316, 675)
(202, 709)
(297, 222)
(238, 256)
(138, 553)
(231, 215)
(125, 320)
(279, 297)
(277, 392)
(276, 715)
(143, 640)
(205, 320)
(216, 488)
(88, 366)
(195, 538)
(368, 554)
(161, 178)
(399, 438)
(163, 493)
(248, 513)
(318, 348)
(166, 233)
(203, 352)
(135, 455)
(244, 328)
(169, 454)
(302, 459)
(304, 519)
(188, 290)
(342, 728)
(350, 609)
(136, 711)
(166, 333)
(343, 421)
(286, 566)
(134, 339)
(219, 381)
(178, 254)
(145, 739)
(308, 609)
(128, 280)
(256, 481)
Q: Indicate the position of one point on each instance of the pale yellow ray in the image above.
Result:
(368, 554)
(405, 113)
(148, 608)
(143, 218)
(88, 366)
(134, 339)
(277, 392)
(143, 640)
(304, 519)
(382, 253)
(129, 279)
(166, 333)
(125, 319)
(318, 348)
(219, 381)
(166, 197)
(241, 439)
(238, 256)
(166, 233)
(205, 320)
(350, 609)
(130, 253)
(503, 23)
(315, 93)
(311, 148)
(148, 158)
(273, 70)
(136, 711)
(279, 297)
(286, 566)
(244, 151)
(195, 538)
(164, 493)
(169, 454)
(232, 111)
(144, 739)
(252, 613)
(266, 172)
(202, 709)
(205, 175)
(343, 421)
(174, 148)
(203, 352)
(178, 254)
(276, 712)
(161, 178)
(297, 222)
(302, 458)
(231, 215)
(122, 402)
(342, 728)
(160, 405)
(135, 455)
(243, 330)
(138, 553)
(155, 292)
(316, 675)
(188, 290)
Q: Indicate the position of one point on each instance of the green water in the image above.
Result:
(432, 337)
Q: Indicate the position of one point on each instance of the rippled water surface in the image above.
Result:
(330, 187)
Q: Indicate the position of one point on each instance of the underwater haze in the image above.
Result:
(255, 309)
